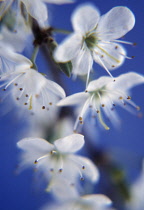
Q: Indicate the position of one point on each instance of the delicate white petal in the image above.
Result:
(37, 10)
(116, 23)
(55, 88)
(97, 199)
(87, 167)
(8, 53)
(127, 81)
(73, 99)
(70, 144)
(110, 55)
(69, 48)
(82, 64)
(59, 1)
(99, 83)
(34, 148)
(85, 18)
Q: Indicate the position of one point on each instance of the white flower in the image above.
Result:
(95, 38)
(36, 8)
(104, 95)
(58, 159)
(28, 88)
(137, 193)
(86, 202)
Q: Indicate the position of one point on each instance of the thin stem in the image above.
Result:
(62, 31)
(34, 55)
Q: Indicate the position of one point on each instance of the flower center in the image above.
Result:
(91, 40)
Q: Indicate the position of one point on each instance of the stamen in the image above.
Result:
(123, 42)
(42, 157)
(30, 103)
(106, 68)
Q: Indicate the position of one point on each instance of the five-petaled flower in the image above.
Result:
(28, 88)
(104, 94)
(95, 38)
(58, 159)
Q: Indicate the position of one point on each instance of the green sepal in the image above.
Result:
(66, 67)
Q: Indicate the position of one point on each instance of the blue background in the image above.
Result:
(126, 145)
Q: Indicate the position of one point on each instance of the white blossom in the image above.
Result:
(29, 89)
(86, 202)
(58, 159)
(104, 94)
(36, 8)
(95, 37)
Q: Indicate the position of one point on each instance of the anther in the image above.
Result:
(83, 167)
(128, 97)
(17, 98)
(20, 89)
(50, 103)
(134, 44)
(116, 47)
(35, 162)
(80, 119)
(26, 95)
(25, 103)
(82, 179)
(102, 56)
(4, 89)
(132, 56)
(113, 66)
(86, 91)
(138, 108)
(103, 105)
(43, 107)
(15, 84)
(97, 111)
(51, 170)
(60, 170)
(120, 97)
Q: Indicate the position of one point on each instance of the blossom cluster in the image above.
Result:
(58, 150)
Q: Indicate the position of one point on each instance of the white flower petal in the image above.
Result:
(55, 88)
(70, 144)
(59, 1)
(110, 55)
(87, 167)
(116, 23)
(127, 81)
(98, 199)
(8, 53)
(82, 64)
(85, 18)
(69, 48)
(73, 99)
(38, 10)
(99, 83)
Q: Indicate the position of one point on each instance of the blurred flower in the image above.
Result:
(86, 202)
(36, 8)
(95, 38)
(58, 159)
(137, 193)
(105, 94)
